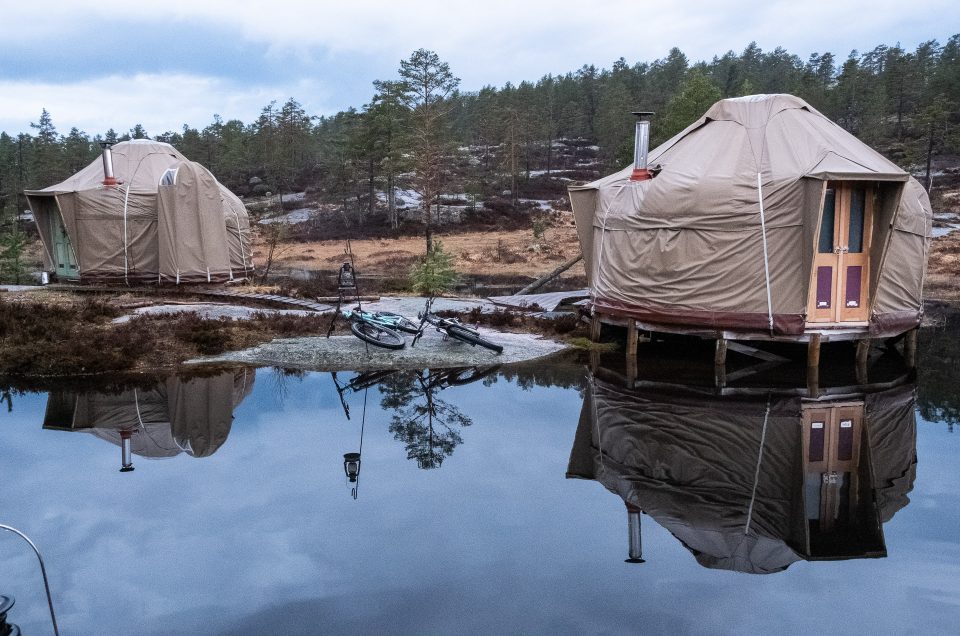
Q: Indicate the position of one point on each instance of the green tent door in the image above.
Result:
(64, 261)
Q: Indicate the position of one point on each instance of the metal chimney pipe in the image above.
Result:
(108, 177)
(641, 143)
(633, 529)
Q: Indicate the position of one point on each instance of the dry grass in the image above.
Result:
(476, 253)
(943, 268)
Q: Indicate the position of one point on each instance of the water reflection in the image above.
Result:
(177, 415)
(427, 425)
(752, 483)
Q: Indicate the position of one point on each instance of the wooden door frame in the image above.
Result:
(58, 214)
(838, 310)
(836, 413)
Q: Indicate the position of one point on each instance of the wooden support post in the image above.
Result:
(631, 371)
(910, 347)
(863, 352)
(720, 376)
(720, 355)
(595, 328)
(631, 338)
(594, 360)
(813, 365)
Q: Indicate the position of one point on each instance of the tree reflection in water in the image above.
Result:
(428, 426)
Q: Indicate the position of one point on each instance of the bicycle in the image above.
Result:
(453, 327)
(379, 328)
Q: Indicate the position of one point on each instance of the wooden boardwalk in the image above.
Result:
(265, 299)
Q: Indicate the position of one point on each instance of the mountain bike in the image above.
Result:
(452, 327)
(379, 328)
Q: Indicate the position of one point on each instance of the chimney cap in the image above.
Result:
(106, 144)
(644, 113)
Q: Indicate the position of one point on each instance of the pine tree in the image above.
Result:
(695, 97)
(426, 83)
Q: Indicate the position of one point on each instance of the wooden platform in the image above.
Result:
(827, 333)
(732, 340)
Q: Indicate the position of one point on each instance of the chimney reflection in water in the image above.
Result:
(126, 454)
(633, 528)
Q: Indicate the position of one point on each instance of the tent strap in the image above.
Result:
(766, 258)
(136, 405)
(756, 475)
(126, 200)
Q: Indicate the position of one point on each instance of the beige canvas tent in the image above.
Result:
(166, 219)
(753, 485)
(762, 217)
(178, 415)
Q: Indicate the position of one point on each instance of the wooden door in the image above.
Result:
(65, 265)
(839, 287)
(831, 452)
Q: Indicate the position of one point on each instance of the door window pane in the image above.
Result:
(824, 286)
(826, 225)
(815, 451)
(845, 443)
(858, 199)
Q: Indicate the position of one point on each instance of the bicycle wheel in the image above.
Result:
(377, 335)
(400, 323)
(466, 375)
(470, 337)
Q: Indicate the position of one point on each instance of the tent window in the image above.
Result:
(826, 225)
(169, 177)
(858, 199)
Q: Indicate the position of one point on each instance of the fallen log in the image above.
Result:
(543, 280)
(333, 299)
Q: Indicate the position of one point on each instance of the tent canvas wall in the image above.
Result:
(728, 232)
(168, 220)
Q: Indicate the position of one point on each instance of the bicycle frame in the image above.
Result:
(439, 322)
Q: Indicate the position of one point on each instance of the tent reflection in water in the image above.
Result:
(753, 485)
(178, 415)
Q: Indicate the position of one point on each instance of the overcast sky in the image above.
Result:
(111, 64)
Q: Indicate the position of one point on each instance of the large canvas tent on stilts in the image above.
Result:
(762, 218)
(144, 213)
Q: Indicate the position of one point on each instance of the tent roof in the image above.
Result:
(138, 165)
(787, 137)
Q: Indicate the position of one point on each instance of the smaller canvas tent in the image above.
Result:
(763, 216)
(168, 220)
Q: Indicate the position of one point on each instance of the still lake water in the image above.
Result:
(509, 515)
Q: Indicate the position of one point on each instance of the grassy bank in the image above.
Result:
(45, 339)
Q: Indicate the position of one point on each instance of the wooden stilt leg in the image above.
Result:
(631, 338)
(720, 363)
(910, 347)
(720, 375)
(631, 371)
(813, 365)
(594, 360)
(720, 356)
